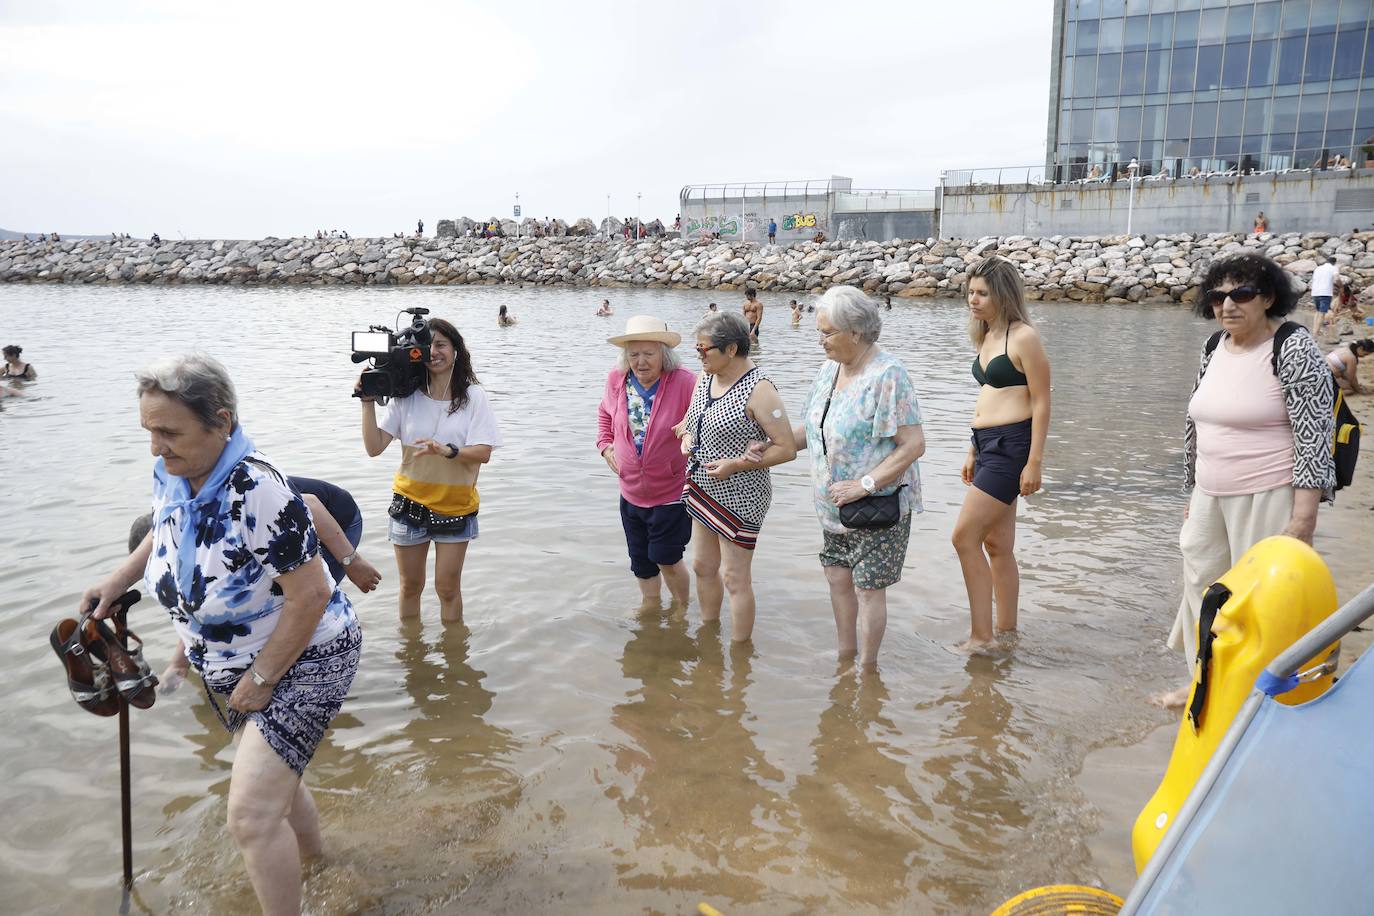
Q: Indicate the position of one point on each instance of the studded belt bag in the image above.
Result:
(405, 509)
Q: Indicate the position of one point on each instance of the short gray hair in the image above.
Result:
(671, 361)
(723, 329)
(850, 309)
(200, 382)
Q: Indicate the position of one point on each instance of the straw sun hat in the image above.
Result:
(646, 327)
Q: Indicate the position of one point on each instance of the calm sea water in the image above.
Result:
(560, 752)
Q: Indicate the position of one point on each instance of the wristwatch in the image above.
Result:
(456, 450)
(259, 679)
(348, 560)
(868, 483)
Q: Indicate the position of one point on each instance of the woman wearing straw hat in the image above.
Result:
(646, 395)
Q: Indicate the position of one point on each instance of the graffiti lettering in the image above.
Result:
(725, 225)
(794, 221)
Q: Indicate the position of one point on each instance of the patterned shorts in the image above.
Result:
(875, 555)
(304, 701)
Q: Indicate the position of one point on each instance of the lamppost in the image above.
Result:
(940, 207)
(1130, 192)
(638, 195)
(516, 215)
(608, 216)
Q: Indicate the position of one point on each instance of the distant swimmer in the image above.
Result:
(504, 319)
(15, 369)
(796, 314)
(711, 310)
(753, 312)
(605, 310)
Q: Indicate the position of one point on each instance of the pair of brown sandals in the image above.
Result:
(104, 666)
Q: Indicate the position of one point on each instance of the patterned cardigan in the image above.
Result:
(1307, 393)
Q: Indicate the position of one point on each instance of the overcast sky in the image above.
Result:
(248, 119)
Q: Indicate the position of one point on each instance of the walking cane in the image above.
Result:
(121, 621)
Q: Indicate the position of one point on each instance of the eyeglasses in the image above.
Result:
(1240, 295)
(826, 335)
(702, 351)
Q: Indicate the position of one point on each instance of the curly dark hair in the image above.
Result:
(463, 376)
(1249, 269)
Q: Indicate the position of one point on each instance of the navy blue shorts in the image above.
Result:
(1000, 455)
(656, 536)
(1323, 303)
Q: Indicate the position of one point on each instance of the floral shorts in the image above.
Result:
(875, 555)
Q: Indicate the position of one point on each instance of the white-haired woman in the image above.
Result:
(728, 491)
(646, 395)
(862, 426)
(235, 560)
(1010, 423)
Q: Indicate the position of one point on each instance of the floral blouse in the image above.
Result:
(859, 430)
(234, 604)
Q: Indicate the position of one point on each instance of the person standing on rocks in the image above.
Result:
(753, 313)
(1010, 422)
(1261, 223)
(772, 231)
(1325, 282)
(419, 228)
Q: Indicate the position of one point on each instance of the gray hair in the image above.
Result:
(671, 361)
(200, 382)
(849, 309)
(723, 329)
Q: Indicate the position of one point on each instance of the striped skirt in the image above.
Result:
(718, 518)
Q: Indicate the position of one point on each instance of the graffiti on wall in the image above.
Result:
(794, 222)
(706, 225)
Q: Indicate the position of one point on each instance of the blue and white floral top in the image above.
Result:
(263, 531)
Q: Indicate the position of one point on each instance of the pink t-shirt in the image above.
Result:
(1244, 440)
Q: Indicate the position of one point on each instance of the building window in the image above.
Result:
(1087, 36)
(1157, 71)
(1235, 65)
(1137, 33)
(1290, 61)
(1294, 19)
(1182, 69)
(1266, 19)
(1325, 13)
(1133, 73)
(1211, 28)
(1177, 125)
(1318, 65)
(1349, 51)
(1104, 125)
(1208, 67)
(1110, 35)
(1256, 122)
(1262, 63)
(1239, 22)
(1230, 117)
(1204, 119)
(1161, 30)
(1084, 77)
(1108, 74)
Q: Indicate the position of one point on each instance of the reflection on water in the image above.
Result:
(558, 752)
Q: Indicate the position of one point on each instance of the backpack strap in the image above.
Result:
(1284, 332)
(1212, 343)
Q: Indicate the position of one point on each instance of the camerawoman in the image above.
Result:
(447, 430)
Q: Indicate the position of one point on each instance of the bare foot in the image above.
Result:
(1174, 699)
(973, 646)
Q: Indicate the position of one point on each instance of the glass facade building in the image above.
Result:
(1189, 86)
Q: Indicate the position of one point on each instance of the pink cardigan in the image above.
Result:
(656, 477)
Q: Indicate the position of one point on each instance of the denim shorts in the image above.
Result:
(1323, 303)
(403, 534)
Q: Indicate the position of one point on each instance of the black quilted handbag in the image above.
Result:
(873, 511)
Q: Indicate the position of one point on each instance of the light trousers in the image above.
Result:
(1217, 532)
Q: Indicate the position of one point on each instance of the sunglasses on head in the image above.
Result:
(1240, 295)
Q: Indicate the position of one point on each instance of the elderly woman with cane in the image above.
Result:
(646, 395)
(729, 491)
(234, 559)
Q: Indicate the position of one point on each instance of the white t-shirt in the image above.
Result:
(1324, 280)
(421, 417)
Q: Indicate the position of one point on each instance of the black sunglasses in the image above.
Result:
(1240, 295)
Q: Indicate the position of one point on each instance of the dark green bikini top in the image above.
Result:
(1000, 372)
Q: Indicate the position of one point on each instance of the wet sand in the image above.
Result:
(1118, 778)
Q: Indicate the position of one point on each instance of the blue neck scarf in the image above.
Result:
(214, 494)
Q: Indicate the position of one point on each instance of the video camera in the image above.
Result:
(398, 357)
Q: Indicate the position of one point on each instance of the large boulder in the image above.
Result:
(582, 228)
(446, 229)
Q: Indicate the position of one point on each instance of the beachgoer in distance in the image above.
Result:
(1010, 423)
(887, 303)
(605, 311)
(796, 313)
(1326, 281)
(268, 631)
(727, 493)
(1345, 364)
(16, 370)
(646, 395)
(447, 432)
(1261, 223)
(772, 231)
(711, 309)
(862, 427)
(1257, 436)
(753, 312)
(504, 319)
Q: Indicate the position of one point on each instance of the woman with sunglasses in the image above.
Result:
(1257, 437)
(727, 493)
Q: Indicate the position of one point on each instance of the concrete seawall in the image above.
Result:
(1143, 268)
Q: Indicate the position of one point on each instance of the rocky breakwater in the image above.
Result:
(1142, 268)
